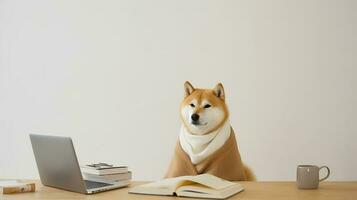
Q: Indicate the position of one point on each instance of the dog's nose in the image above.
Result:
(195, 117)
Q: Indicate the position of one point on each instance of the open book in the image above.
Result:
(200, 186)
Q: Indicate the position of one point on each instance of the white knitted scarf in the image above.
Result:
(199, 147)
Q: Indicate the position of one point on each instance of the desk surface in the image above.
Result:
(253, 190)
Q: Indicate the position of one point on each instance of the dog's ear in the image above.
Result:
(219, 91)
(188, 88)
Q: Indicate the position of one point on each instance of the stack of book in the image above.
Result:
(103, 172)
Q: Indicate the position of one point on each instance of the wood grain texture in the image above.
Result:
(253, 190)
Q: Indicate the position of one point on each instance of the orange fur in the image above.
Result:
(217, 100)
(207, 94)
(249, 175)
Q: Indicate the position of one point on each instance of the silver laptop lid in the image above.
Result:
(57, 162)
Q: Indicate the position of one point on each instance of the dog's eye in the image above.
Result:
(192, 105)
(207, 106)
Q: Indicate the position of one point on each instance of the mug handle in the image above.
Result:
(328, 173)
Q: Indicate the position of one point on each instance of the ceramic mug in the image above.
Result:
(308, 176)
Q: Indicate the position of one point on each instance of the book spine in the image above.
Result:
(19, 189)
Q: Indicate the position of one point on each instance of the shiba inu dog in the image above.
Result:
(207, 141)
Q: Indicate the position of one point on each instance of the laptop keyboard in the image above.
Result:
(93, 184)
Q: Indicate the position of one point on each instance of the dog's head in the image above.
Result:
(203, 110)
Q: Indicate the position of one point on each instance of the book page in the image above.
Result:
(161, 187)
(196, 188)
(210, 181)
(201, 191)
(204, 183)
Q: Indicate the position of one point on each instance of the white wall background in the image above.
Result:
(110, 74)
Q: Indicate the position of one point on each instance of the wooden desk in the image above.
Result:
(253, 190)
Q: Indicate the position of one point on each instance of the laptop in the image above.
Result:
(58, 166)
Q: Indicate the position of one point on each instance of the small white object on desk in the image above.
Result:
(13, 186)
